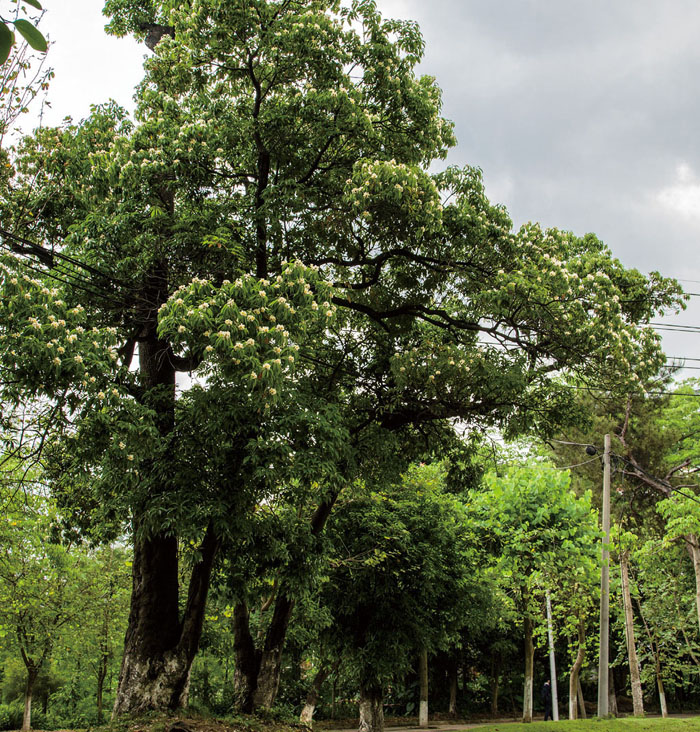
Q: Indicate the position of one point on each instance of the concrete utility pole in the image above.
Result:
(552, 663)
(603, 704)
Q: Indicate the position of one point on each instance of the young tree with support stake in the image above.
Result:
(271, 138)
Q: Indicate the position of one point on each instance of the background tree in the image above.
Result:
(539, 531)
(403, 579)
(42, 586)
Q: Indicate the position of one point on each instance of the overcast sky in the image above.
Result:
(582, 115)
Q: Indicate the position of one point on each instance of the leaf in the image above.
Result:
(31, 34)
(34, 3)
(7, 38)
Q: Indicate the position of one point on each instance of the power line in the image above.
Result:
(656, 479)
(26, 247)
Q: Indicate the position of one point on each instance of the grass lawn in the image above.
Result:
(628, 724)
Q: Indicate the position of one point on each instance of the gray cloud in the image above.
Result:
(582, 116)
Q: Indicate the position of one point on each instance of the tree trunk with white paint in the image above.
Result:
(662, 694)
(371, 709)
(423, 676)
(307, 713)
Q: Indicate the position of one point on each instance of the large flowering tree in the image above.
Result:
(267, 222)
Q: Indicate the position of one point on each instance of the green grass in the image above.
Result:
(628, 724)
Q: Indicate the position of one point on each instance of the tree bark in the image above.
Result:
(612, 695)
(271, 658)
(574, 682)
(651, 635)
(423, 676)
(581, 700)
(637, 697)
(662, 693)
(307, 712)
(245, 676)
(160, 647)
(495, 684)
(694, 551)
(529, 668)
(32, 673)
(101, 676)
(371, 709)
(257, 673)
(453, 689)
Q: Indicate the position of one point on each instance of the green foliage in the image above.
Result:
(537, 527)
(404, 576)
(27, 30)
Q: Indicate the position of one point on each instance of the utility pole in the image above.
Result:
(552, 663)
(603, 707)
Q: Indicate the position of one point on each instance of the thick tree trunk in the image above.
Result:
(32, 674)
(574, 681)
(153, 674)
(423, 676)
(271, 658)
(160, 647)
(529, 669)
(257, 673)
(371, 709)
(245, 676)
(637, 697)
(453, 689)
(307, 712)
